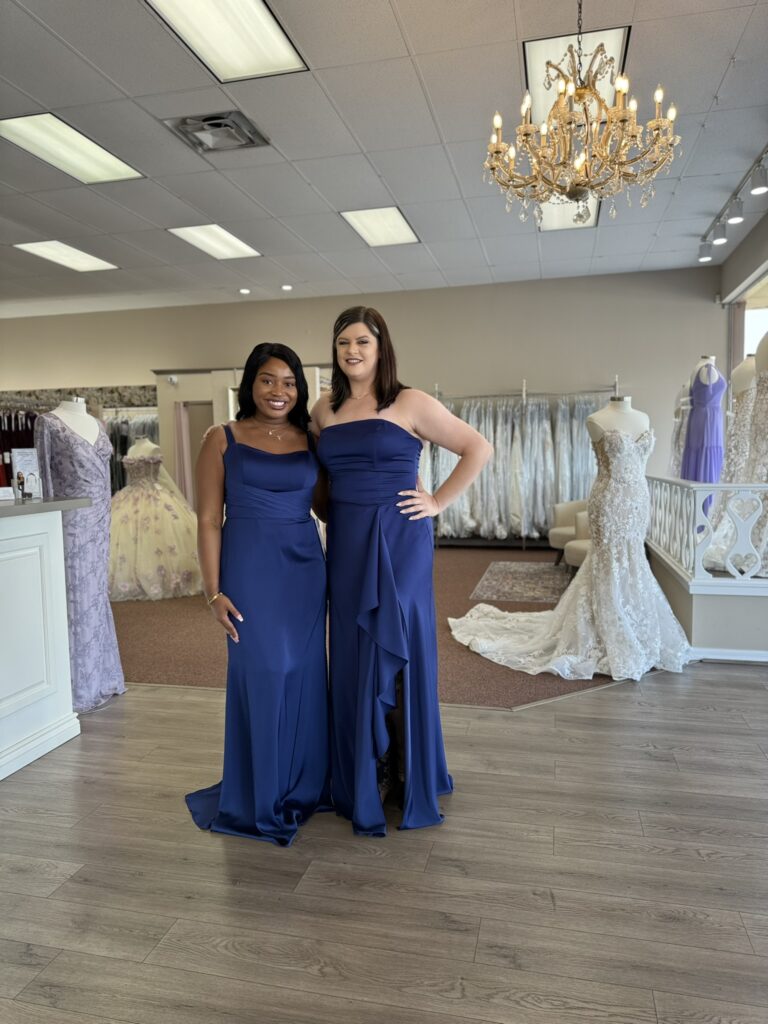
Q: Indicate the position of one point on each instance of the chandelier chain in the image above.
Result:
(578, 40)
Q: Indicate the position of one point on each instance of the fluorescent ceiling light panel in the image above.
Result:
(49, 139)
(539, 51)
(235, 38)
(215, 241)
(66, 255)
(559, 216)
(384, 226)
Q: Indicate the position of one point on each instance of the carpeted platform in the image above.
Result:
(177, 642)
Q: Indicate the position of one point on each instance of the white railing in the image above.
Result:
(711, 533)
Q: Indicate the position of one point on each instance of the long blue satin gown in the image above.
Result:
(382, 625)
(276, 735)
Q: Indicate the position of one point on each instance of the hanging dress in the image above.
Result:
(703, 453)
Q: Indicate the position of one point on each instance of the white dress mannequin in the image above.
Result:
(743, 375)
(73, 412)
(617, 415)
(761, 355)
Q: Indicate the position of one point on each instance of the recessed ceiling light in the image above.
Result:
(234, 38)
(720, 234)
(383, 226)
(244, 291)
(287, 287)
(66, 255)
(46, 137)
(705, 252)
(215, 241)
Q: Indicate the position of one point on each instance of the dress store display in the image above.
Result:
(613, 619)
(153, 548)
(276, 755)
(757, 461)
(679, 431)
(702, 459)
(73, 467)
(383, 649)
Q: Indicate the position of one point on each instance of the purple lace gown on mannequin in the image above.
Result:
(72, 467)
(703, 452)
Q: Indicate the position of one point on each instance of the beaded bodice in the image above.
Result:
(142, 470)
(618, 505)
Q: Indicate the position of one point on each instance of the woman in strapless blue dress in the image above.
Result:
(385, 718)
(264, 578)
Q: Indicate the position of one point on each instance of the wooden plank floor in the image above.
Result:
(603, 859)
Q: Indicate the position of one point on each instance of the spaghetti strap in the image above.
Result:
(228, 432)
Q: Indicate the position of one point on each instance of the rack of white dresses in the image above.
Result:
(542, 456)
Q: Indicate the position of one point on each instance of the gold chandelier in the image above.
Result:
(585, 148)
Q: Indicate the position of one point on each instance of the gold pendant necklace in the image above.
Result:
(357, 398)
(273, 432)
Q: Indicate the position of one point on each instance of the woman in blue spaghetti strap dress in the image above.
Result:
(264, 578)
(385, 719)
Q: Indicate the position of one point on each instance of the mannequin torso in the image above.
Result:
(73, 413)
(617, 415)
(743, 375)
(142, 448)
(705, 370)
(761, 356)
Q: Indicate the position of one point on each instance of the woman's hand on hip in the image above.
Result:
(224, 611)
(418, 505)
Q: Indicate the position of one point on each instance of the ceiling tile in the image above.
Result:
(616, 264)
(111, 249)
(746, 79)
(215, 196)
(492, 219)
(458, 255)
(456, 26)
(729, 142)
(434, 222)
(637, 214)
(417, 175)
(264, 271)
(14, 103)
(647, 10)
(89, 208)
(569, 244)
(700, 196)
(54, 76)
(26, 173)
(528, 271)
(385, 106)
(466, 87)
(338, 286)
(670, 260)
(164, 246)
(341, 31)
(406, 259)
(135, 136)
(346, 182)
(279, 189)
(308, 267)
(537, 19)
(565, 268)
(111, 35)
(422, 280)
(356, 262)
(467, 158)
(267, 236)
(30, 214)
(623, 239)
(707, 40)
(251, 156)
(151, 201)
(513, 249)
(379, 283)
(325, 231)
(211, 100)
(294, 113)
(473, 275)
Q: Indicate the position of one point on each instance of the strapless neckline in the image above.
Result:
(371, 419)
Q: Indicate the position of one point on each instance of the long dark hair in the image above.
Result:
(387, 386)
(299, 414)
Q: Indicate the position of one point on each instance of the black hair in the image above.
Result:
(386, 385)
(299, 414)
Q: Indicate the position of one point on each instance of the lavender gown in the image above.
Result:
(703, 452)
(72, 467)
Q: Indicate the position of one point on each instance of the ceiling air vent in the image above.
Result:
(208, 133)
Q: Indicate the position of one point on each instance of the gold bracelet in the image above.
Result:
(212, 599)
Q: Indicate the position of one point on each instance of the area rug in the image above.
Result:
(177, 642)
(522, 581)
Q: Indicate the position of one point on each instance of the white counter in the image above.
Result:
(35, 689)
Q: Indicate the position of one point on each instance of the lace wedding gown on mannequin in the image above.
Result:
(613, 619)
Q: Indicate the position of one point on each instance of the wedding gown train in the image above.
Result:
(613, 619)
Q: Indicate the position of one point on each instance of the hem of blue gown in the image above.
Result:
(104, 701)
(208, 823)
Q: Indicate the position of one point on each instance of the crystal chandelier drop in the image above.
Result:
(585, 148)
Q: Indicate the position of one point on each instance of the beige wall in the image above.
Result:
(748, 262)
(562, 335)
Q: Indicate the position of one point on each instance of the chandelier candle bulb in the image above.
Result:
(633, 105)
(672, 113)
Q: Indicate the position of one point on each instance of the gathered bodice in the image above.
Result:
(70, 465)
(369, 461)
(707, 393)
(618, 504)
(263, 485)
(142, 469)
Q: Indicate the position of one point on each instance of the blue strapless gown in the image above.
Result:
(276, 749)
(382, 623)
